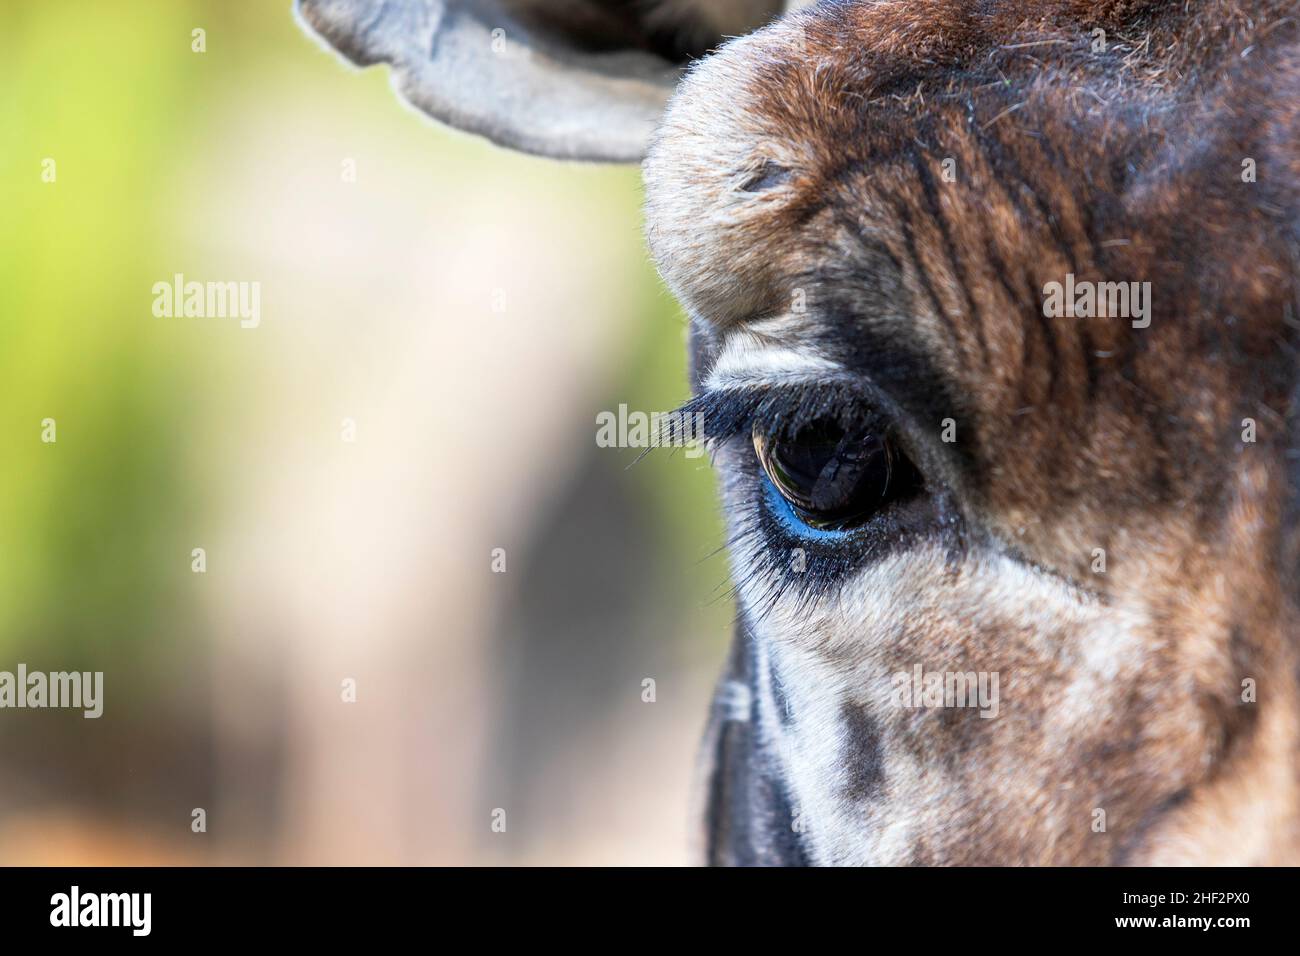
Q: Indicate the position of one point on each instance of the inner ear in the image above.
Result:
(673, 30)
(767, 176)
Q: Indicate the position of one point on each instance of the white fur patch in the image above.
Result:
(907, 608)
(756, 356)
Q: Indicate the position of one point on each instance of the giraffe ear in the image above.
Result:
(572, 79)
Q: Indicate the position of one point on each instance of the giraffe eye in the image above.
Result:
(836, 480)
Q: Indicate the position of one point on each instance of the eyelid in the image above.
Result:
(752, 357)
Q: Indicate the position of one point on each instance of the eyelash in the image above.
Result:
(787, 558)
(777, 411)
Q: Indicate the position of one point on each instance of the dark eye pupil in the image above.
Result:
(836, 479)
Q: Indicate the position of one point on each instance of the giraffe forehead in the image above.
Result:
(720, 178)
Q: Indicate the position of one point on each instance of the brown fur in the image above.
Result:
(1075, 433)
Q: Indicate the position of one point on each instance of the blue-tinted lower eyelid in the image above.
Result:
(785, 514)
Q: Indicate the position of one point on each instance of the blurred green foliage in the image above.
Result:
(96, 529)
(86, 522)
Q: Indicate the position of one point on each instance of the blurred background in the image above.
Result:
(441, 323)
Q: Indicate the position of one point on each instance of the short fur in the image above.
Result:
(1122, 691)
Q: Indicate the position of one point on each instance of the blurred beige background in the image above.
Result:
(438, 333)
